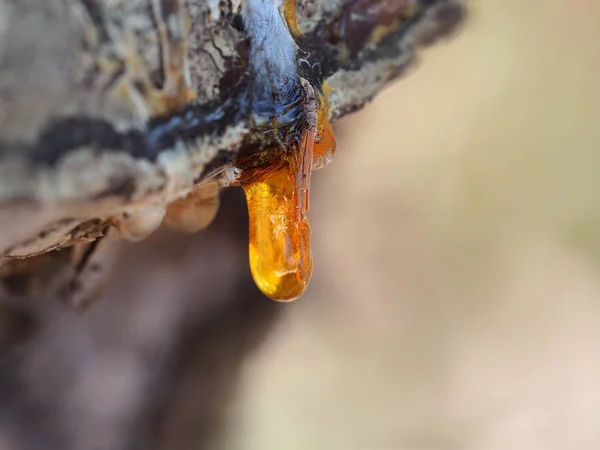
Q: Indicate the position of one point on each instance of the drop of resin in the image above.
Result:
(278, 198)
(280, 255)
(325, 143)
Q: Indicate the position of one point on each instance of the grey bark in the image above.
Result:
(78, 141)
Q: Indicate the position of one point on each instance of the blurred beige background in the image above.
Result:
(455, 302)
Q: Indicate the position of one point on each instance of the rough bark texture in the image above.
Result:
(86, 132)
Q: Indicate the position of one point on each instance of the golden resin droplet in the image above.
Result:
(280, 256)
(325, 143)
(278, 198)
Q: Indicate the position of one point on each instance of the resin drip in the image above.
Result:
(280, 256)
(278, 198)
(278, 194)
(325, 143)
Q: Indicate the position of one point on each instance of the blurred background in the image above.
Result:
(455, 301)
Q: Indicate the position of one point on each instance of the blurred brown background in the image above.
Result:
(455, 302)
(456, 296)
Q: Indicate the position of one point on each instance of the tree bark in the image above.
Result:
(89, 129)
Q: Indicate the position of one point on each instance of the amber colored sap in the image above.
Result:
(289, 14)
(325, 143)
(280, 255)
